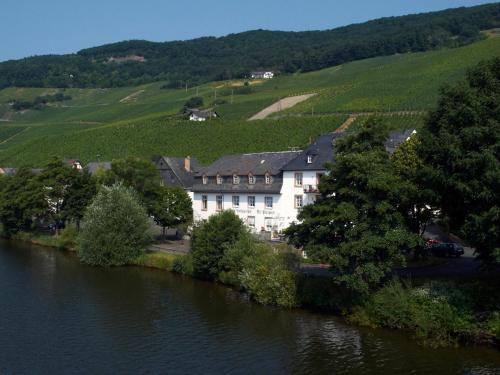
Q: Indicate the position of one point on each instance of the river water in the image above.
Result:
(58, 316)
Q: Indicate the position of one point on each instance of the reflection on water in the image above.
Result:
(57, 316)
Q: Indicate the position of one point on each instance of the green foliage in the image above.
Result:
(80, 192)
(438, 313)
(235, 55)
(414, 199)
(461, 151)
(210, 241)
(138, 174)
(184, 265)
(116, 228)
(493, 325)
(172, 207)
(22, 202)
(268, 277)
(356, 225)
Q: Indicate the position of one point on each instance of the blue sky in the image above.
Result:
(35, 27)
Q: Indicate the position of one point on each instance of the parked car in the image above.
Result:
(447, 249)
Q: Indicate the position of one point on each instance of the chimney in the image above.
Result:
(187, 163)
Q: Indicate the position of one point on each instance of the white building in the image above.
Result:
(266, 190)
(262, 75)
(197, 115)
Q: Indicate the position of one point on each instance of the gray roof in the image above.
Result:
(257, 164)
(396, 138)
(322, 151)
(203, 114)
(93, 167)
(174, 173)
(243, 188)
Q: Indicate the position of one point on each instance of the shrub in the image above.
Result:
(183, 265)
(210, 241)
(493, 325)
(116, 228)
(437, 313)
(268, 278)
(159, 260)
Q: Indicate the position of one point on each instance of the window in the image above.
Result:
(236, 200)
(269, 224)
(299, 201)
(205, 179)
(309, 159)
(251, 179)
(251, 202)
(236, 179)
(298, 179)
(219, 179)
(269, 202)
(251, 221)
(268, 179)
(204, 202)
(219, 199)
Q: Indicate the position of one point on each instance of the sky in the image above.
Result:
(38, 27)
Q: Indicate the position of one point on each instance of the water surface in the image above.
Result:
(58, 316)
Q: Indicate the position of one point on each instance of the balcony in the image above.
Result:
(311, 189)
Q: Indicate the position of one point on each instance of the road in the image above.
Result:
(281, 105)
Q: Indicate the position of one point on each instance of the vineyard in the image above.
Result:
(169, 137)
(142, 121)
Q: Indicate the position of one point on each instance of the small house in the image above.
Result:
(198, 115)
(262, 75)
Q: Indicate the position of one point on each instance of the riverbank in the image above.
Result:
(437, 313)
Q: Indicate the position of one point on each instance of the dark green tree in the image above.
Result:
(22, 202)
(56, 179)
(461, 151)
(416, 201)
(356, 225)
(173, 208)
(79, 194)
(211, 239)
(115, 228)
(139, 174)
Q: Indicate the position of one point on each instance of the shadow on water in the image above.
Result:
(58, 316)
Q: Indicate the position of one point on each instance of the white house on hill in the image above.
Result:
(262, 75)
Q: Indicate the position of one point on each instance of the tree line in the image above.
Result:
(234, 56)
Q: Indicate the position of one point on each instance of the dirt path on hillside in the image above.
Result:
(347, 123)
(281, 105)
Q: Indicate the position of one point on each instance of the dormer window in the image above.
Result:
(251, 179)
(219, 179)
(205, 179)
(309, 159)
(236, 179)
(268, 179)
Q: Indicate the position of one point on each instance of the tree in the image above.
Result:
(79, 195)
(56, 180)
(210, 241)
(115, 228)
(173, 208)
(415, 200)
(461, 150)
(194, 102)
(356, 225)
(22, 202)
(141, 175)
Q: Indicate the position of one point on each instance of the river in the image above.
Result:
(58, 316)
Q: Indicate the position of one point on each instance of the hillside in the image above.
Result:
(133, 63)
(141, 120)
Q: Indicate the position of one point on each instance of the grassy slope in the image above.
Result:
(170, 137)
(134, 121)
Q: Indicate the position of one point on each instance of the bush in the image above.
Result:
(268, 277)
(210, 241)
(183, 265)
(116, 228)
(194, 102)
(493, 325)
(159, 260)
(438, 313)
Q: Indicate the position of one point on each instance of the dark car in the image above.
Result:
(447, 249)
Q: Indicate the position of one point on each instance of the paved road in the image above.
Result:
(280, 105)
